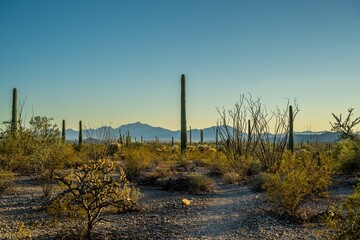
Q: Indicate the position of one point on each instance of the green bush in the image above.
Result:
(347, 154)
(301, 177)
(190, 183)
(257, 181)
(344, 222)
(136, 161)
(37, 149)
(231, 178)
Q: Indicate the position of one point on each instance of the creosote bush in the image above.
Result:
(300, 177)
(231, 178)
(136, 161)
(37, 149)
(344, 222)
(196, 183)
(90, 190)
(347, 154)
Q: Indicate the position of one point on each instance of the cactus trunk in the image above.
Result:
(249, 131)
(291, 130)
(63, 132)
(183, 115)
(14, 119)
(80, 133)
(201, 136)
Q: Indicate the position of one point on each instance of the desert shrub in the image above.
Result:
(347, 154)
(217, 163)
(136, 161)
(231, 178)
(37, 149)
(90, 190)
(344, 222)
(190, 183)
(257, 181)
(299, 178)
(6, 178)
(201, 183)
(152, 176)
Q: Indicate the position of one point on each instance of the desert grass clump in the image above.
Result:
(300, 178)
(257, 181)
(6, 180)
(196, 183)
(90, 190)
(231, 178)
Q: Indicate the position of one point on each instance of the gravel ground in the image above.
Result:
(232, 212)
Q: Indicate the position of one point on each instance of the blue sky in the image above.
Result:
(117, 62)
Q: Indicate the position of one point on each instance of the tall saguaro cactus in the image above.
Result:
(14, 119)
(291, 130)
(80, 133)
(63, 131)
(249, 131)
(183, 114)
(201, 136)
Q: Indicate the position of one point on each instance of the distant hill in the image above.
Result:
(149, 133)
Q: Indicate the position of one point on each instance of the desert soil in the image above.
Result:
(232, 212)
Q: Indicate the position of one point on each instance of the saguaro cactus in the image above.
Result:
(201, 136)
(63, 131)
(14, 119)
(291, 130)
(249, 131)
(183, 114)
(80, 133)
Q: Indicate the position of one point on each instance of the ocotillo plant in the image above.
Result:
(183, 115)
(291, 130)
(14, 119)
(80, 133)
(201, 136)
(63, 131)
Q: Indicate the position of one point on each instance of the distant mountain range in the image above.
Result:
(149, 133)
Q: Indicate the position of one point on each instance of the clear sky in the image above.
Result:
(117, 62)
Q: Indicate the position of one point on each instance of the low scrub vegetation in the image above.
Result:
(300, 178)
(195, 183)
(343, 222)
(90, 190)
(95, 178)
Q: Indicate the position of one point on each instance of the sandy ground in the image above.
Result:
(232, 212)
